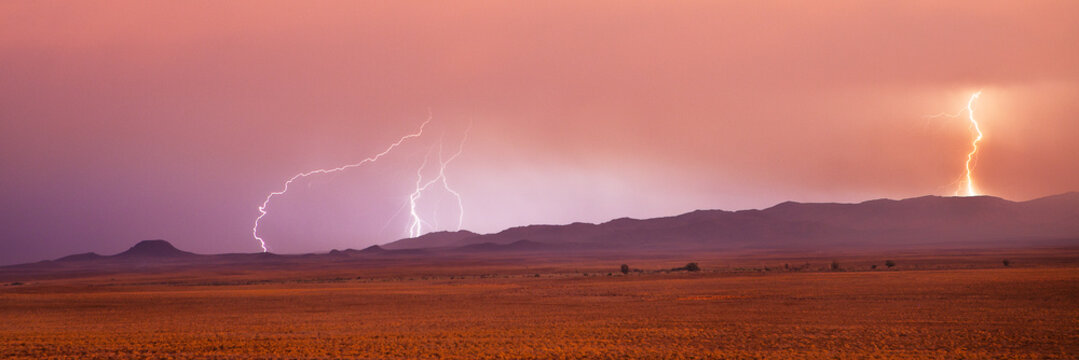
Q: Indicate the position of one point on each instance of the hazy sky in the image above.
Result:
(122, 121)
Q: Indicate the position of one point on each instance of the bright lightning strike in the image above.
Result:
(969, 182)
(266, 203)
(415, 227)
(966, 182)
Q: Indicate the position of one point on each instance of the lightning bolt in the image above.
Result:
(966, 181)
(969, 182)
(415, 227)
(266, 203)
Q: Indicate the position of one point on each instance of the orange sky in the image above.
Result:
(122, 121)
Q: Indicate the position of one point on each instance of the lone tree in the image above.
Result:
(625, 269)
(1007, 263)
(835, 265)
(889, 263)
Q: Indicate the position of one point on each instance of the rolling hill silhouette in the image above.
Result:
(153, 249)
(81, 257)
(928, 221)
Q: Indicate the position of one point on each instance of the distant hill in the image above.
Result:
(430, 240)
(928, 221)
(153, 249)
(518, 246)
(81, 257)
(146, 249)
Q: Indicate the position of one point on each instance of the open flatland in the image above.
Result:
(925, 307)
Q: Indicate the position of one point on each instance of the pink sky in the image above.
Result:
(122, 121)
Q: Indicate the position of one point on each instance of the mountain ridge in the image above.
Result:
(878, 223)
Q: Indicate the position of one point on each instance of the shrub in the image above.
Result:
(889, 263)
(625, 269)
(835, 265)
(1007, 263)
(874, 266)
(689, 267)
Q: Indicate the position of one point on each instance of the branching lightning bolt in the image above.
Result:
(266, 203)
(415, 227)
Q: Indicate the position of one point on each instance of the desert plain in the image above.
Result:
(960, 304)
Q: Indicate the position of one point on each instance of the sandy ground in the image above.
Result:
(932, 307)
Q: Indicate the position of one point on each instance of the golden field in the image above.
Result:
(925, 308)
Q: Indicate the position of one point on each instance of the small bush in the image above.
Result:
(692, 267)
(625, 269)
(1007, 263)
(889, 263)
(874, 266)
(835, 265)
